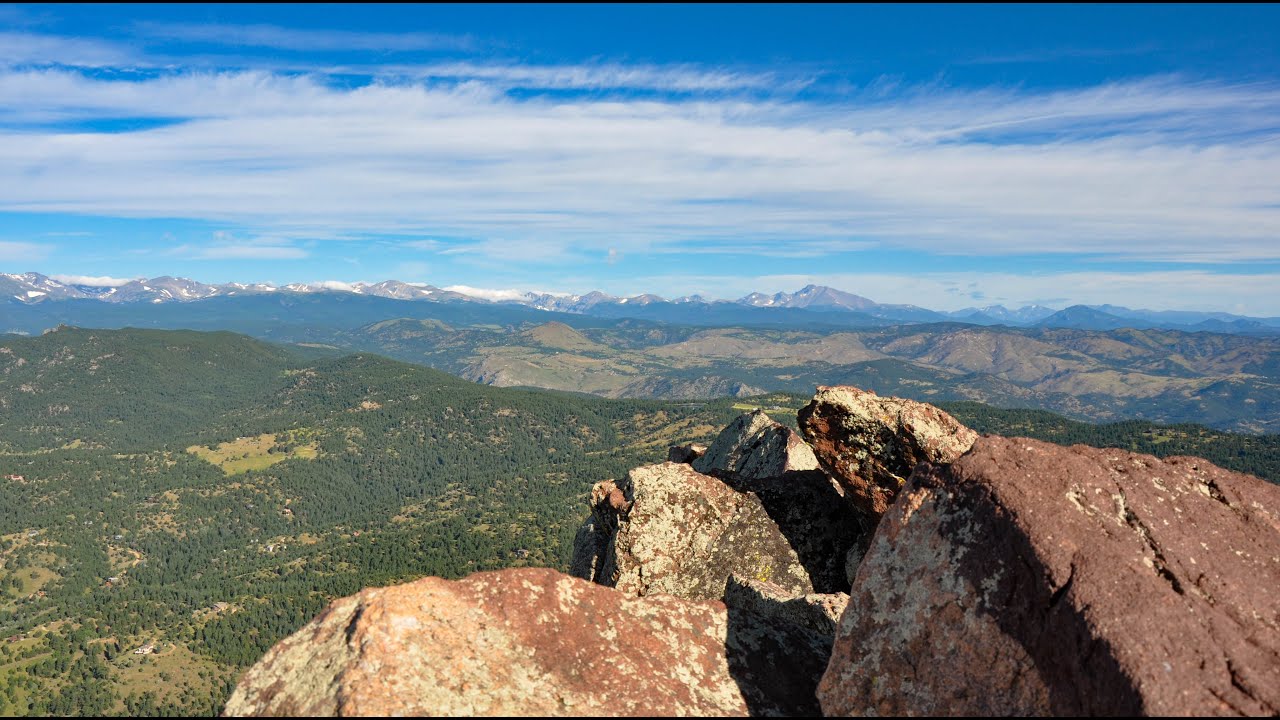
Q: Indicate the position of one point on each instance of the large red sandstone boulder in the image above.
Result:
(755, 446)
(870, 444)
(1027, 579)
(531, 642)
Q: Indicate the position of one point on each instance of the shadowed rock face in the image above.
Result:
(819, 524)
(592, 545)
(870, 444)
(819, 612)
(529, 642)
(1027, 578)
(756, 446)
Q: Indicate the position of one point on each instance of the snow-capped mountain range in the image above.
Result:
(31, 288)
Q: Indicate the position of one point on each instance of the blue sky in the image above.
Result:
(943, 156)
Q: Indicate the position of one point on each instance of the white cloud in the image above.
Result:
(336, 285)
(22, 251)
(275, 36)
(609, 76)
(485, 293)
(23, 48)
(1159, 169)
(91, 281)
(424, 244)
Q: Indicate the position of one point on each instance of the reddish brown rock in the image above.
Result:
(1027, 579)
(686, 453)
(755, 446)
(528, 642)
(870, 444)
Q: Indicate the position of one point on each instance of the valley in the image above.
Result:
(1225, 381)
(1103, 364)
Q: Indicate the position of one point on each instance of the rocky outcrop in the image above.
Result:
(683, 533)
(1026, 578)
(1005, 576)
(870, 444)
(530, 642)
(756, 446)
(686, 453)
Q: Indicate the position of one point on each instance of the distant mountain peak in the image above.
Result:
(810, 296)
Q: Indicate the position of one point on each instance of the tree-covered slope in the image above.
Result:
(128, 388)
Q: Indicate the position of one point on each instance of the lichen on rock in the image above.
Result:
(686, 532)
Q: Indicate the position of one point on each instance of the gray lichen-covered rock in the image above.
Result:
(756, 446)
(531, 642)
(870, 444)
(684, 533)
(1028, 579)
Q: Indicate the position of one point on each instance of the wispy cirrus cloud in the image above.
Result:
(22, 251)
(1162, 168)
(226, 247)
(608, 76)
(1047, 55)
(300, 39)
(29, 48)
(424, 244)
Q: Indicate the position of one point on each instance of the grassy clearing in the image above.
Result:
(32, 579)
(255, 453)
(168, 672)
(35, 578)
(122, 558)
